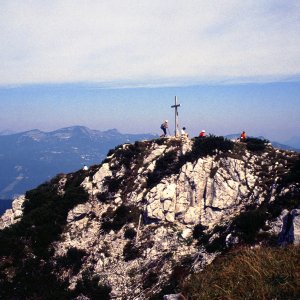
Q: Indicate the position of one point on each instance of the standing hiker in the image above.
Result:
(164, 127)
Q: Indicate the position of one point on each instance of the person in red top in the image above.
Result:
(243, 136)
(202, 133)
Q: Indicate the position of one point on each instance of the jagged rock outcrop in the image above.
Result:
(158, 206)
(13, 215)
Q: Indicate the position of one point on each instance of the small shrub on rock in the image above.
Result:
(293, 175)
(122, 215)
(150, 280)
(103, 197)
(166, 165)
(114, 184)
(198, 231)
(256, 145)
(248, 224)
(72, 259)
(208, 146)
(131, 252)
(89, 286)
(218, 244)
(130, 233)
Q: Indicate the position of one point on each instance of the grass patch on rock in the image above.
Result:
(264, 273)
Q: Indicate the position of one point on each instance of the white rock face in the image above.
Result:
(201, 190)
(78, 211)
(98, 179)
(156, 153)
(12, 216)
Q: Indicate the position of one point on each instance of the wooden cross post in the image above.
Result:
(176, 116)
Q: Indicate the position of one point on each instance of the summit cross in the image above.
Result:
(176, 116)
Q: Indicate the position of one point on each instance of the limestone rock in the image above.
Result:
(78, 212)
(157, 152)
(296, 226)
(174, 297)
(290, 227)
(12, 216)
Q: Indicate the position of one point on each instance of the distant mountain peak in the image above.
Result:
(44, 154)
(75, 128)
(34, 134)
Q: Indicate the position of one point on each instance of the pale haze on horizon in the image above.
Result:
(234, 65)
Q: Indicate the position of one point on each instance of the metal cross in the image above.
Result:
(176, 116)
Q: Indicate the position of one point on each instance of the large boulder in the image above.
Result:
(290, 230)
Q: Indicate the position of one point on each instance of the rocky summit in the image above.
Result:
(150, 215)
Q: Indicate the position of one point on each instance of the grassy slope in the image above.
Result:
(262, 273)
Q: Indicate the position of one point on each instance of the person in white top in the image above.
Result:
(184, 133)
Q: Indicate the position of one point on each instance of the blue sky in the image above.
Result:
(234, 65)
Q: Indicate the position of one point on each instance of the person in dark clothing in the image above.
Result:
(164, 127)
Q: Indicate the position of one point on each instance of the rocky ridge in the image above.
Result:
(156, 208)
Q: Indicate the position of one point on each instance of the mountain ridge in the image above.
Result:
(31, 157)
(123, 229)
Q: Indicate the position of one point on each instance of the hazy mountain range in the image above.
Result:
(294, 142)
(32, 157)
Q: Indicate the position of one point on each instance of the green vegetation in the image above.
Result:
(198, 231)
(150, 279)
(115, 220)
(217, 244)
(103, 197)
(179, 275)
(113, 183)
(131, 252)
(293, 175)
(127, 159)
(72, 260)
(264, 273)
(208, 146)
(255, 144)
(165, 166)
(130, 233)
(25, 248)
(130, 152)
(248, 224)
(89, 286)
